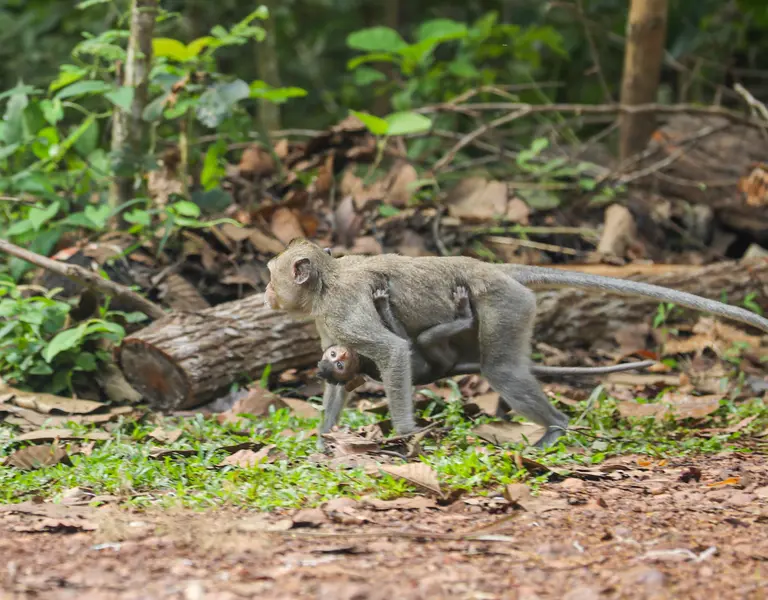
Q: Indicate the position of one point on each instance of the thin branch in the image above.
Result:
(86, 278)
(669, 109)
(593, 51)
(469, 138)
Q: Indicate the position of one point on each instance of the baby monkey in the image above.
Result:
(432, 356)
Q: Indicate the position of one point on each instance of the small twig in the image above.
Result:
(469, 138)
(667, 109)
(407, 436)
(531, 244)
(653, 168)
(593, 51)
(16, 200)
(753, 102)
(441, 247)
(86, 278)
(519, 229)
(641, 156)
(593, 397)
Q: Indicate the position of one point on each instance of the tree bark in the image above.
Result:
(128, 127)
(583, 318)
(646, 33)
(187, 359)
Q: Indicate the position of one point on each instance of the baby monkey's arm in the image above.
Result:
(431, 355)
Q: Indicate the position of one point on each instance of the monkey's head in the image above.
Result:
(339, 364)
(295, 276)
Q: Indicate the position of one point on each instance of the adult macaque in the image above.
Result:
(433, 355)
(338, 293)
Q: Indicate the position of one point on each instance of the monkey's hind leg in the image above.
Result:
(505, 332)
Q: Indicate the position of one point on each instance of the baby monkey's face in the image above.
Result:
(339, 364)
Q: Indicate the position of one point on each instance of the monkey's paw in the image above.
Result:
(461, 293)
(380, 294)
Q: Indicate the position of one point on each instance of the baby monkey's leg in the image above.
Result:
(435, 341)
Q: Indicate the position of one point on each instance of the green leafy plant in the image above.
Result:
(37, 349)
(470, 56)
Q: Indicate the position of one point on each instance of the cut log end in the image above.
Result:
(155, 375)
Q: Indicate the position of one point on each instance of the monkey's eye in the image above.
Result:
(339, 365)
(332, 354)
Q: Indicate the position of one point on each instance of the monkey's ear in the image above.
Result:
(327, 251)
(302, 270)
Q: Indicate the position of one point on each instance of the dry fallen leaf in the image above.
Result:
(165, 436)
(418, 473)
(36, 457)
(477, 200)
(49, 435)
(48, 403)
(514, 493)
(301, 408)
(642, 379)
(504, 432)
(487, 402)
(403, 176)
(309, 517)
(286, 225)
(265, 243)
(249, 458)
(725, 482)
(257, 403)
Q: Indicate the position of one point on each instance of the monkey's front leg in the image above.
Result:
(396, 376)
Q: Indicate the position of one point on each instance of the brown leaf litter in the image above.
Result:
(657, 533)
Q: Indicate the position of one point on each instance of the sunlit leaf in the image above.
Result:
(195, 47)
(67, 77)
(373, 57)
(186, 208)
(170, 48)
(376, 125)
(65, 340)
(405, 123)
(39, 216)
(441, 29)
(376, 39)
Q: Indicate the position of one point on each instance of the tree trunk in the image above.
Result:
(187, 359)
(269, 69)
(646, 33)
(572, 317)
(128, 128)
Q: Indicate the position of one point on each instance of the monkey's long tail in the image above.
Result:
(542, 278)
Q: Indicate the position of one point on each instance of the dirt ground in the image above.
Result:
(689, 528)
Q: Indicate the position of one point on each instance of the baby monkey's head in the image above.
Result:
(339, 364)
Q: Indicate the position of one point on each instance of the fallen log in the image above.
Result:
(582, 318)
(187, 359)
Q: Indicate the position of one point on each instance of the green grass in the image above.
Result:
(122, 466)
